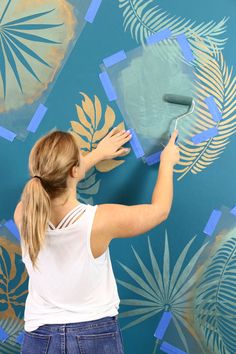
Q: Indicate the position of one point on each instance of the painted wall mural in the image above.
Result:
(88, 66)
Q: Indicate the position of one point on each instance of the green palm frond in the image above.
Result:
(161, 291)
(17, 39)
(214, 310)
(213, 78)
(144, 18)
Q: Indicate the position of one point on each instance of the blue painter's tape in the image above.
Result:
(170, 349)
(11, 226)
(233, 211)
(37, 118)
(213, 109)
(3, 335)
(135, 144)
(92, 10)
(7, 134)
(114, 59)
(107, 85)
(154, 158)
(20, 338)
(185, 47)
(159, 36)
(204, 136)
(163, 325)
(212, 222)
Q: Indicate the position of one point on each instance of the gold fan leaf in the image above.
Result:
(13, 280)
(108, 165)
(78, 128)
(109, 121)
(90, 115)
(82, 118)
(120, 126)
(81, 142)
(98, 110)
(88, 107)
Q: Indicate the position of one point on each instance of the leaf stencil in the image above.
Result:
(214, 309)
(34, 38)
(91, 127)
(157, 291)
(13, 280)
(213, 78)
(144, 18)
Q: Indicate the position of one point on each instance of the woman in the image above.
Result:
(72, 304)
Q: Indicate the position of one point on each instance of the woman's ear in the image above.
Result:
(74, 171)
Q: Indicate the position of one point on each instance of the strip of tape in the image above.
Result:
(163, 325)
(212, 222)
(185, 47)
(37, 118)
(233, 211)
(153, 159)
(3, 335)
(114, 59)
(213, 109)
(11, 226)
(92, 10)
(135, 144)
(107, 85)
(7, 134)
(170, 349)
(204, 136)
(159, 36)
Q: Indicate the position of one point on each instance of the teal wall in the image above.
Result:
(196, 284)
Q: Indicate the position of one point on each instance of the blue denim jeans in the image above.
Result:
(101, 336)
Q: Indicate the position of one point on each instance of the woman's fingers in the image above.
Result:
(120, 134)
(112, 132)
(123, 138)
(122, 152)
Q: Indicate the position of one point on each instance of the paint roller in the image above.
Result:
(182, 100)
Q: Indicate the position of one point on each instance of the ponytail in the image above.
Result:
(35, 215)
(51, 159)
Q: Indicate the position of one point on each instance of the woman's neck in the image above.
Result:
(69, 199)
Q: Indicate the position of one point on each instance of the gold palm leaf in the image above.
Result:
(213, 77)
(13, 280)
(91, 128)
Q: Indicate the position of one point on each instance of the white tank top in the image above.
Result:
(70, 285)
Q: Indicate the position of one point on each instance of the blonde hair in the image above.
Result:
(51, 158)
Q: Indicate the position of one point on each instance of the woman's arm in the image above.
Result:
(91, 159)
(116, 220)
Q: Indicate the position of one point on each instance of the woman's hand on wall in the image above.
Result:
(111, 145)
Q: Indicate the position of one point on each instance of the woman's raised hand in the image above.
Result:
(111, 145)
(171, 155)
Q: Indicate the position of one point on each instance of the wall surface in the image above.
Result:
(177, 283)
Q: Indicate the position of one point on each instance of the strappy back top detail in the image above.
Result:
(69, 218)
(69, 285)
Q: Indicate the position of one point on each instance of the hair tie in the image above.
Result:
(38, 177)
